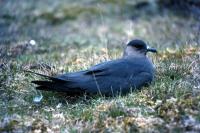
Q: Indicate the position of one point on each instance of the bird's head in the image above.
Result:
(137, 48)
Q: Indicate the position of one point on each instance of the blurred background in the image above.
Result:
(56, 36)
(163, 23)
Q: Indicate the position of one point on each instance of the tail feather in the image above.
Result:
(43, 83)
(55, 84)
(51, 86)
(44, 88)
(46, 76)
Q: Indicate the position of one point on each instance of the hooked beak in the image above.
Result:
(151, 50)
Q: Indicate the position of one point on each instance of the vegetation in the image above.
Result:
(64, 36)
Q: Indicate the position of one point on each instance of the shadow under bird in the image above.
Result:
(132, 71)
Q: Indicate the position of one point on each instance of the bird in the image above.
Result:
(116, 77)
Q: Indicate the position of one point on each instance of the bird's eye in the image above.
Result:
(139, 46)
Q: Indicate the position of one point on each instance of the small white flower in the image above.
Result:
(32, 42)
(59, 105)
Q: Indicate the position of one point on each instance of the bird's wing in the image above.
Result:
(97, 71)
(119, 67)
(141, 79)
(106, 68)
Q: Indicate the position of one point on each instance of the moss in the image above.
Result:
(9, 126)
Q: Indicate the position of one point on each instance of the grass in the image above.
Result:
(170, 104)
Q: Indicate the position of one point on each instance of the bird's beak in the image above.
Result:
(151, 50)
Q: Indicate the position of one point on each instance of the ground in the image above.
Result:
(53, 37)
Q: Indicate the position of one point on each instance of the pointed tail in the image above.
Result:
(52, 84)
(46, 76)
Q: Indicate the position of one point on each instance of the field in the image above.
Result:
(53, 37)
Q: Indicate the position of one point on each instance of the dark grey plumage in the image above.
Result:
(119, 76)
